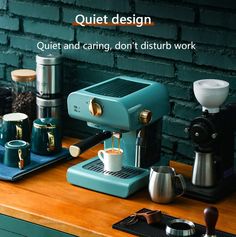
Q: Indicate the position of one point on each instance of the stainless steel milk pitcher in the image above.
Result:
(163, 184)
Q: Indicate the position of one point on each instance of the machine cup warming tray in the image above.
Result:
(117, 88)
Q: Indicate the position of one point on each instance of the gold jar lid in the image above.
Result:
(23, 75)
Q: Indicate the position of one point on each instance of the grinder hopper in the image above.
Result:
(211, 93)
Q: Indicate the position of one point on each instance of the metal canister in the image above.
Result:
(49, 108)
(49, 76)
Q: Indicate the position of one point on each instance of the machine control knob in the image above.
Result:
(145, 116)
(95, 108)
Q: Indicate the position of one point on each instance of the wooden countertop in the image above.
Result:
(46, 198)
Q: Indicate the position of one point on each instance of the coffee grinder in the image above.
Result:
(212, 135)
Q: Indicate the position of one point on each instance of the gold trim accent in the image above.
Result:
(19, 132)
(44, 126)
(145, 116)
(51, 142)
(95, 108)
(21, 162)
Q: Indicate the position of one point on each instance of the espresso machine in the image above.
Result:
(212, 135)
(130, 109)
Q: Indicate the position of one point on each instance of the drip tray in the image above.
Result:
(125, 173)
(90, 174)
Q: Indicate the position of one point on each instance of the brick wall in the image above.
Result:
(209, 23)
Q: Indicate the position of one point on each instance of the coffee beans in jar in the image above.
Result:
(5, 100)
(24, 95)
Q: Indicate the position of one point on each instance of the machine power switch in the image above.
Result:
(95, 108)
(145, 116)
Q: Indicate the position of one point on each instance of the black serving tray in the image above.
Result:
(142, 229)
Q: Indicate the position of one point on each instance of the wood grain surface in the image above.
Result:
(47, 199)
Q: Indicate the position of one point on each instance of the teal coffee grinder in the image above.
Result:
(130, 109)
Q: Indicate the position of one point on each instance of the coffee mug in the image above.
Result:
(14, 126)
(46, 136)
(17, 154)
(163, 184)
(111, 158)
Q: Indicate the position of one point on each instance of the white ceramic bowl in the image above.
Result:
(211, 93)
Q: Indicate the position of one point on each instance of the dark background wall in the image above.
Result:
(209, 23)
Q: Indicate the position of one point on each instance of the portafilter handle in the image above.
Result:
(77, 149)
(211, 217)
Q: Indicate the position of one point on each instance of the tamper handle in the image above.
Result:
(211, 217)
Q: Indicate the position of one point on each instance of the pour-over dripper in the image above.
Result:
(211, 93)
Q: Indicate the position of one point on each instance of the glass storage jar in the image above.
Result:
(5, 100)
(24, 93)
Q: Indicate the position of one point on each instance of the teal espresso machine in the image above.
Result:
(128, 108)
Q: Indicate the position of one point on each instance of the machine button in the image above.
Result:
(196, 134)
(145, 116)
(186, 130)
(214, 135)
(95, 108)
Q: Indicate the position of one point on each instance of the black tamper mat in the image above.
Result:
(142, 229)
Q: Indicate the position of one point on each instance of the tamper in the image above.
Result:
(210, 216)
